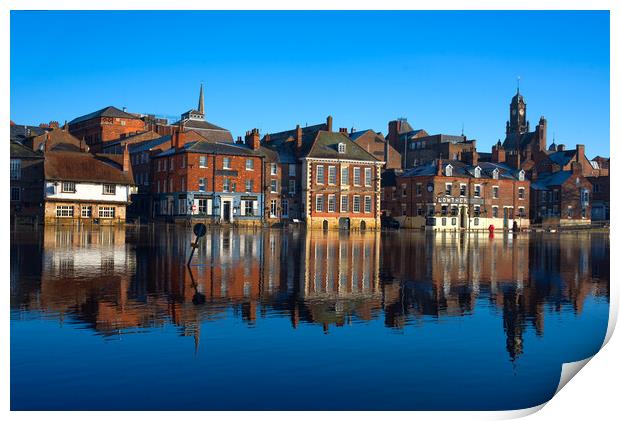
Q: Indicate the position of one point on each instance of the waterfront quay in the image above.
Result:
(110, 167)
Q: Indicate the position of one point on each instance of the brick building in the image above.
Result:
(105, 125)
(451, 195)
(26, 184)
(417, 147)
(600, 198)
(375, 144)
(562, 198)
(210, 181)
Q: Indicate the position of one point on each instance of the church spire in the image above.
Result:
(201, 101)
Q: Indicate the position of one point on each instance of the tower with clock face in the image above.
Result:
(518, 122)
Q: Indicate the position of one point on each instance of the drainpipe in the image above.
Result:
(263, 189)
(213, 186)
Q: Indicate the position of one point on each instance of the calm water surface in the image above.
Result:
(113, 319)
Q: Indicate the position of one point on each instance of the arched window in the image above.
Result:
(521, 175)
(448, 170)
(477, 172)
(495, 174)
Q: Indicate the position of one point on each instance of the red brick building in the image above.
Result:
(451, 195)
(210, 181)
(105, 125)
(375, 144)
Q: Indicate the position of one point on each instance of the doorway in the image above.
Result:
(226, 211)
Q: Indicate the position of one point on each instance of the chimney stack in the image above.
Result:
(514, 159)
(581, 153)
(329, 123)
(498, 153)
(299, 136)
(439, 166)
(126, 161)
(343, 130)
(561, 147)
(252, 139)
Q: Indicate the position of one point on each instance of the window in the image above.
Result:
(585, 197)
(521, 212)
(569, 211)
(495, 192)
(226, 184)
(274, 186)
(226, 163)
(87, 211)
(331, 203)
(291, 187)
(448, 170)
(273, 209)
(455, 210)
(342, 148)
(109, 189)
(521, 193)
(331, 175)
(249, 164)
(344, 203)
(248, 207)
(202, 206)
(476, 211)
(64, 211)
(249, 185)
(202, 184)
(292, 170)
(477, 190)
(319, 203)
(367, 204)
(448, 189)
(68, 187)
(320, 174)
(202, 162)
(274, 169)
(356, 204)
(285, 208)
(463, 189)
(444, 210)
(418, 189)
(367, 177)
(16, 169)
(420, 211)
(477, 172)
(344, 176)
(106, 211)
(495, 211)
(403, 209)
(15, 194)
(165, 164)
(556, 195)
(357, 175)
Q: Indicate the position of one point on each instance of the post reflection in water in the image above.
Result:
(114, 281)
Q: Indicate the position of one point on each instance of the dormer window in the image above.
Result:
(448, 170)
(495, 174)
(477, 172)
(342, 148)
(521, 175)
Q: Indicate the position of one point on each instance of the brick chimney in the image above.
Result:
(343, 130)
(581, 153)
(329, 123)
(576, 167)
(126, 160)
(252, 139)
(561, 147)
(498, 153)
(299, 136)
(513, 159)
(439, 167)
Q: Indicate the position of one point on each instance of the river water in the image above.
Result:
(113, 318)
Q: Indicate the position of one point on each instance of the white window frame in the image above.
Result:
(494, 190)
(367, 204)
(367, 177)
(64, 211)
(344, 176)
(331, 203)
(109, 189)
(226, 163)
(344, 203)
(331, 175)
(357, 204)
(107, 212)
(477, 187)
(86, 211)
(521, 193)
(273, 186)
(65, 187)
(319, 200)
(357, 176)
(249, 164)
(203, 161)
(320, 174)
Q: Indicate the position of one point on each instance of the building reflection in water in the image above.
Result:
(115, 281)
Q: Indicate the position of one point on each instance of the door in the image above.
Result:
(226, 214)
(506, 218)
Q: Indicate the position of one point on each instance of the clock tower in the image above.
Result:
(518, 123)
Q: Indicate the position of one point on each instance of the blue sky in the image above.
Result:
(273, 70)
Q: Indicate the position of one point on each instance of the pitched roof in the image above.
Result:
(325, 145)
(356, 135)
(550, 179)
(306, 133)
(148, 144)
(563, 157)
(207, 130)
(109, 111)
(21, 151)
(203, 146)
(21, 132)
(85, 167)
